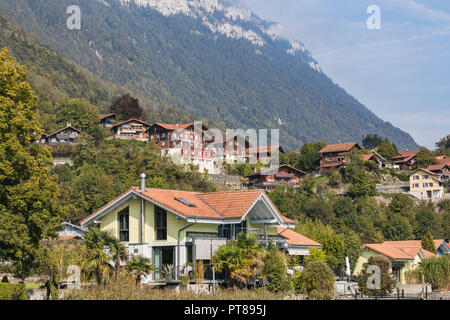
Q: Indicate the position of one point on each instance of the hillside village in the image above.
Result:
(169, 206)
(183, 230)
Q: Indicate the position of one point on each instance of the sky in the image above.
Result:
(401, 71)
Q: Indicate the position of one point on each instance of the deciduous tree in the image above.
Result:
(29, 207)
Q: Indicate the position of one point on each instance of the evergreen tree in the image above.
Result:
(428, 243)
(29, 208)
(371, 141)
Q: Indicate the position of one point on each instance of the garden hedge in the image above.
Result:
(13, 291)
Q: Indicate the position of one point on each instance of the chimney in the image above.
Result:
(143, 176)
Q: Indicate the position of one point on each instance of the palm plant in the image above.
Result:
(239, 259)
(98, 260)
(119, 253)
(99, 264)
(140, 265)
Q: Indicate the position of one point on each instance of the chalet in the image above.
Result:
(131, 129)
(375, 157)
(180, 228)
(184, 145)
(425, 185)
(336, 155)
(269, 178)
(442, 169)
(66, 135)
(403, 256)
(405, 159)
(62, 142)
(107, 120)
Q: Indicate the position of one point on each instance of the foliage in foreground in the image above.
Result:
(436, 271)
(387, 281)
(29, 208)
(13, 291)
(125, 289)
(316, 280)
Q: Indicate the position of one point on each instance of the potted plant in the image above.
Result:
(167, 271)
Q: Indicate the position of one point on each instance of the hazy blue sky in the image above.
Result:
(401, 72)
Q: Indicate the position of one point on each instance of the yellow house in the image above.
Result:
(403, 255)
(177, 227)
(425, 184)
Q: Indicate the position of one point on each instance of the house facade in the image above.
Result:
(269, 178)
(61, 143)
(442, 170)
(131, 129)
(107, 120)
(336, 155)
(184, 145)
(179, 228)
(425, 185)
(403, 256)
(376, 158)
(66, 135)
(405, 159)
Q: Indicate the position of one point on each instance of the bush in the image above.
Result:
(436, 271)
(316, 280)
(274, 269)
(387, 281)
(13, 291)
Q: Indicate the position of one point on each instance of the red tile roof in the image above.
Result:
(232, 204)
(216, 205)
(340, 147)
(406, 154)
(401, 250)
(389, 251)
(294, 238)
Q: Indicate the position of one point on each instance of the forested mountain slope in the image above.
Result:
(210, 58)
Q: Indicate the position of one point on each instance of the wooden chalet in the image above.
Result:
(269, 178)
(107, 120)
(405, 159)
(336, 155)
(442, 170)
(66, 135)
(131, 129)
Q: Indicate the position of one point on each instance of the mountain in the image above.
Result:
(213, 59)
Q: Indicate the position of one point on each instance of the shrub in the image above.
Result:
(316, 280)
(387, 281)
(13, 291)
(436, 271)
(413, 276)
(274, 269)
